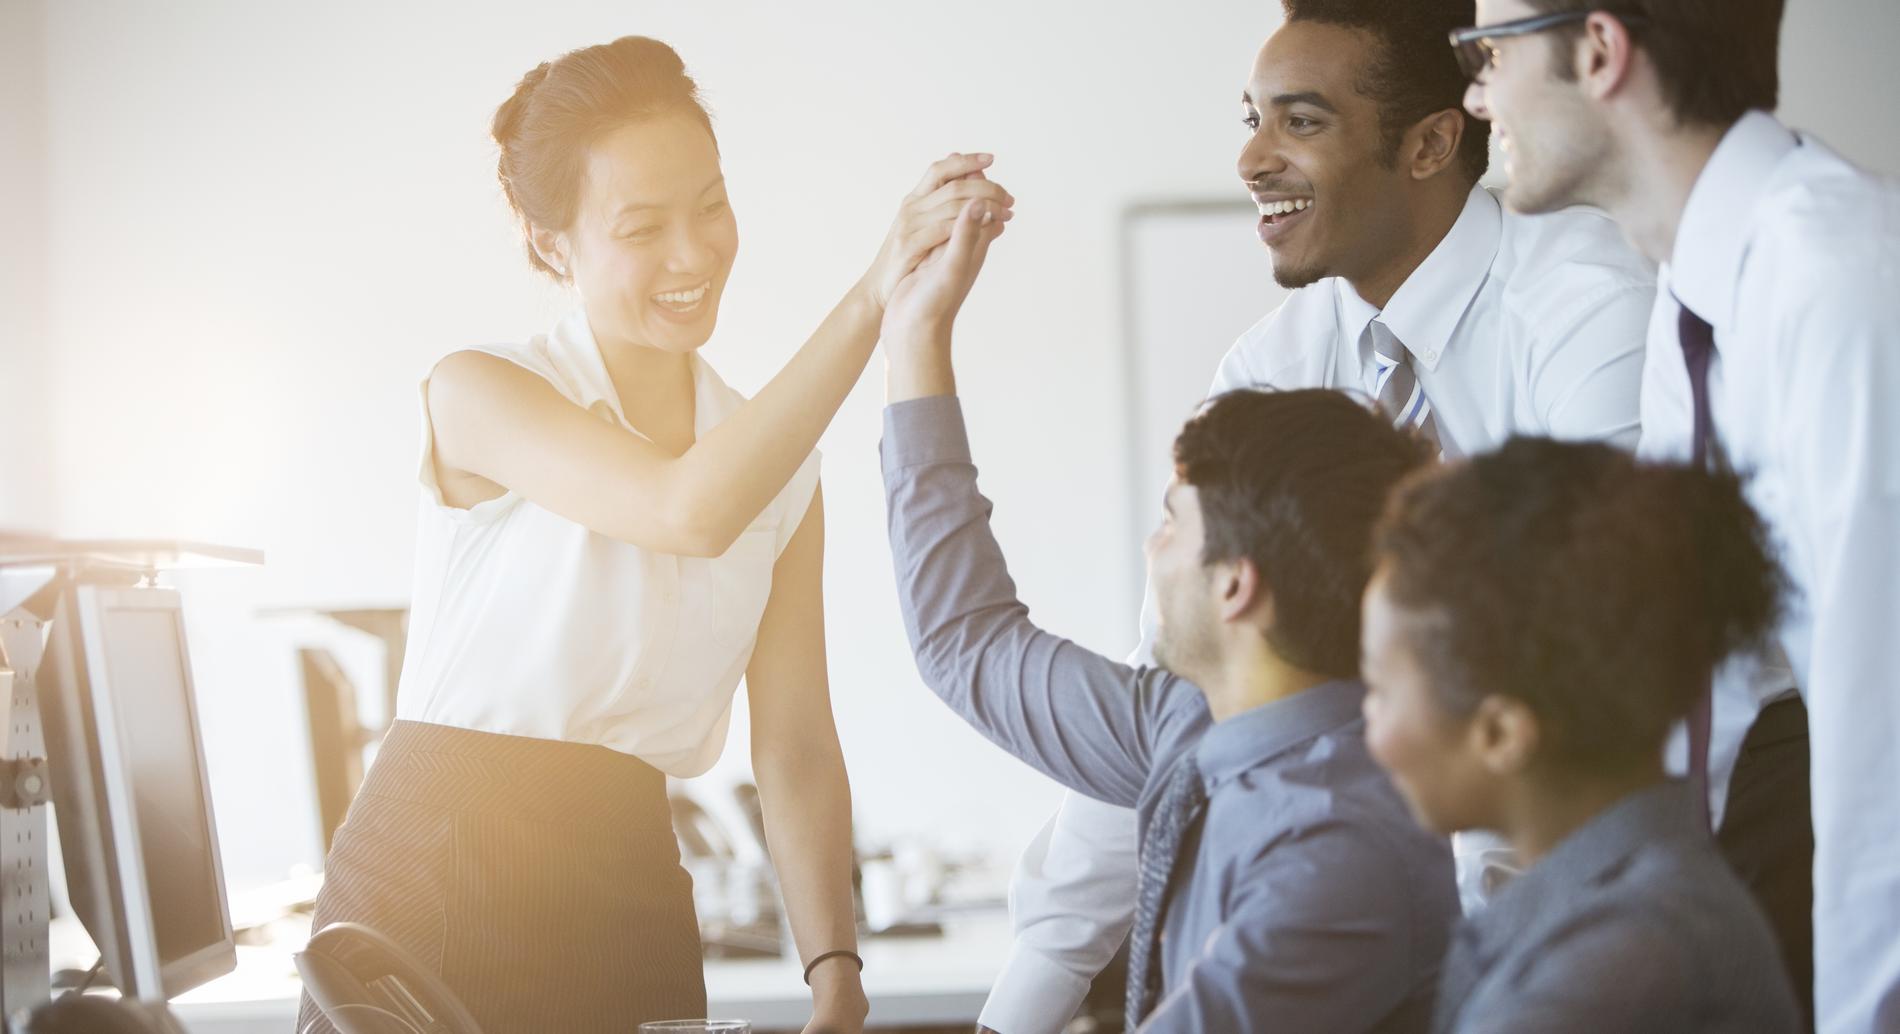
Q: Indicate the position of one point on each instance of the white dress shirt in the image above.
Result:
(526, 623)
(1793, 256)
(1514, 324)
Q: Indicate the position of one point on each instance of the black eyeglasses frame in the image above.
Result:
(1475, 55)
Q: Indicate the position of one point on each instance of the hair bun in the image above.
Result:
(652, 67)
(508, 117)
(662, 59)
(556, 111)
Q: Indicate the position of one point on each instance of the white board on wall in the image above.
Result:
(1194, 276)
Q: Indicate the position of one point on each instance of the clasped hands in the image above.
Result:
(962, 212)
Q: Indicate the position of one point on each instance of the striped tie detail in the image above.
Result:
(1399, 393)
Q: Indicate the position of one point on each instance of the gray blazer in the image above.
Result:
(1632, 924)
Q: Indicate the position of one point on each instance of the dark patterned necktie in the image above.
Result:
(1182, 803)
(1400, 395)
(1698, 350)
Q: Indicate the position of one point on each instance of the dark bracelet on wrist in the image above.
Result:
(813, 964)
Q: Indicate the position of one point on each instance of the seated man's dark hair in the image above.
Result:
(1294, 481)
(1716, 59)
(1598, 590)
(1416, 73)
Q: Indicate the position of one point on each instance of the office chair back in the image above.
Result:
(366, 983)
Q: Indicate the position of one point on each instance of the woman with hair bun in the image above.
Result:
(1538, 620)
(609, 539)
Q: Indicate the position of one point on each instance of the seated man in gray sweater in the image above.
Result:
(1283, 885)
(1540, 616)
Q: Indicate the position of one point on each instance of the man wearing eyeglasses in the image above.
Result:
(1411, 286)
(1773, 349)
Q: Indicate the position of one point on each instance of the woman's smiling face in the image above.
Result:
(654, 238)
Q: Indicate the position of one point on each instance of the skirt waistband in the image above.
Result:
(488, 773)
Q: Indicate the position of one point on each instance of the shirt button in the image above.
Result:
(1431, 355)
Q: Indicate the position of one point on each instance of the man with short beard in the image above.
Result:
(1283, 885)
(1773, 350)
(1412, 286)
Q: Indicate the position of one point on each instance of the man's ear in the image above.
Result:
(1243, 593)
(1605, 55)
(1505, 734)
(1432, 145)
(551, 246)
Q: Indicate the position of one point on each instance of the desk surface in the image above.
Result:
(131, 554)
(910, 981)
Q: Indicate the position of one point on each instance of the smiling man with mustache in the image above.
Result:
(1412, 285)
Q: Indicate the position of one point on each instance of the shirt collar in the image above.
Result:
(1354, 313)
(1592, 853)
(1426, 308)
(1254, 737)
(1712, 236)
(575, 353)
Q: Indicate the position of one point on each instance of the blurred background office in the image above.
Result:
(233, 235)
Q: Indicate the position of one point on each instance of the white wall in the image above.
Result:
(258, 223)
(266, 220)
(1839, 79)
(28, 498)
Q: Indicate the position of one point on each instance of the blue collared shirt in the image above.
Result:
(1306, 900)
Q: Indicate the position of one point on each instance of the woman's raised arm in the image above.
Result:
(502, 423)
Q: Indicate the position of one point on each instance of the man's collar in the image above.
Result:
(1354, 312)
(1253, 737)
(1712, 236)
(1426, 308)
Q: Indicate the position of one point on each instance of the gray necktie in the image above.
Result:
(1181, 806)
(1399, 393)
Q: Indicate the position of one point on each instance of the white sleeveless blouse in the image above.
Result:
(526, 623)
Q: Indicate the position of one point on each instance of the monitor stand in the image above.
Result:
(24, 974)
(34, 574)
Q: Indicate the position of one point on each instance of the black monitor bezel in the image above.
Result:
(97, 813)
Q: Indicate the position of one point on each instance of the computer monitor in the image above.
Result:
(337, 737)
(127, 774)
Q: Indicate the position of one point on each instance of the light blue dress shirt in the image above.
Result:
(1307, 900)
